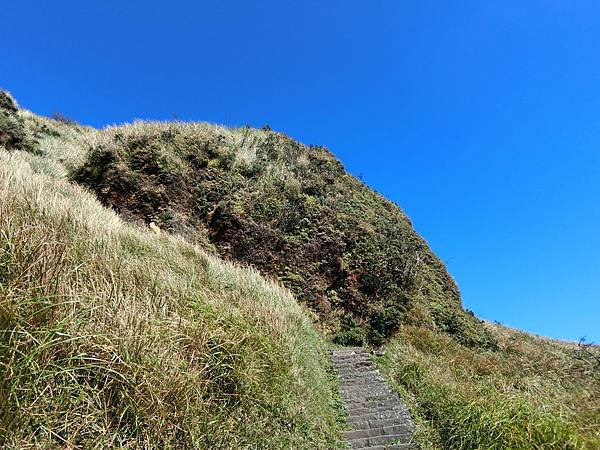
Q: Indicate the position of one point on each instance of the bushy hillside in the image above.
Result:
(289, 210)
(112, 334)
(114, 337)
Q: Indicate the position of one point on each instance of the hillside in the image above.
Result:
(183, 335)
(114, 337)
(289, 210)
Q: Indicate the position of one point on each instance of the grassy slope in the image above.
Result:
(529, 393)
(469, 384)
(112, 336)
(289, 210)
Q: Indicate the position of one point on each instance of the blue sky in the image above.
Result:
(481, 119)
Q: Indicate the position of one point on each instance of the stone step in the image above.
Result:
(358, 373)
(361, 376)
(379, 415)
(394, 447)
(376, 413)
(365, 383)
(388, 400)
(361, 370)
(369, 390)
(377, 440)
(343, 364)
(355, 382)
(372, 374)
(359, 396)
(381, 431)
(360, 382)
(356, 418)
(345, 370)
(365, 402)
(361, 411)
(348, 356)
(351, 358)
(377, 423)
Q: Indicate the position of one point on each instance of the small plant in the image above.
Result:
(384, 322)
(13, 134)
(589, 354)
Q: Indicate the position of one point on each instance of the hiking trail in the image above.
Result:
(378, 417)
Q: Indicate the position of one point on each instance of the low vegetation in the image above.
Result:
(114, 335)
(13, 133)
(289, 210)
(530, 393)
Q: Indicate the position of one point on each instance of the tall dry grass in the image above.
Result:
(111, 336)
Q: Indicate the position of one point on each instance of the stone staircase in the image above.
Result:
(378, 418)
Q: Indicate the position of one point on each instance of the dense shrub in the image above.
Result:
(350, 334)
(265, 200)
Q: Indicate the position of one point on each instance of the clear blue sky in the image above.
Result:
(481, 119)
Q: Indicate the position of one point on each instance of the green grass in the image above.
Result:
(111, 336)
(530, 393)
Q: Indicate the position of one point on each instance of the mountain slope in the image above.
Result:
(112, 336)
(258, 198)
(289, 210)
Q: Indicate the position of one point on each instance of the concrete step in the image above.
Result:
(367, 391)
(357, 375)
(365, 396)
(361, 411)
(369, 394)
(372, 374)
(352, 358)
(360, 384)
(360, 370)
(371, 403)
(344, 370)
(365, 403)
(349, 356)
(394, 447)
(360, 375)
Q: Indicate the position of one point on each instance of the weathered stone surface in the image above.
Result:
(377, 416)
